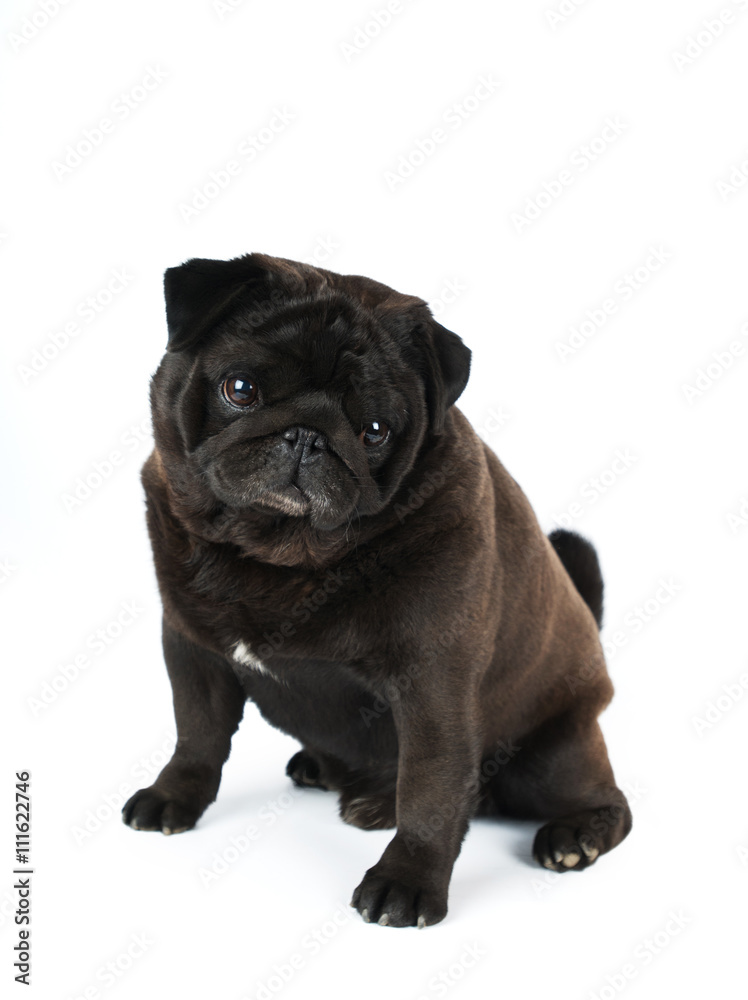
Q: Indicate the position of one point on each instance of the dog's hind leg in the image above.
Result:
(367, 796)
(305, 771)
(562, 774)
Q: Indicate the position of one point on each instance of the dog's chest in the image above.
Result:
(246, 661)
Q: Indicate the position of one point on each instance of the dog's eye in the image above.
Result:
(375, 434)
(240, 391)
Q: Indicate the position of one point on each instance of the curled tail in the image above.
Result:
(581, 563)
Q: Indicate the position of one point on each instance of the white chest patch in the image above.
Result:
(244, 655)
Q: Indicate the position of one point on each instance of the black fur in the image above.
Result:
(581, 563)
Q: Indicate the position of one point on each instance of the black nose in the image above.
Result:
(305, 441)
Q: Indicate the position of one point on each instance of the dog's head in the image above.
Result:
(292, 401)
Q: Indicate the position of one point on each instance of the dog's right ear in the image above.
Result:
(201, 292)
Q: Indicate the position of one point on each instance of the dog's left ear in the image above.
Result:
(448, 371)
(201, 292)
(440, 355)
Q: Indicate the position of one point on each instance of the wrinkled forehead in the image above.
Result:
(331, 341)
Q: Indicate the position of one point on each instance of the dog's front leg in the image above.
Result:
(208, 706)
(439, 759)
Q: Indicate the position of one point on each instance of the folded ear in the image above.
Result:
(447, 374)
(200, 292)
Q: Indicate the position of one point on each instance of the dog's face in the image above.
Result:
(292, 402)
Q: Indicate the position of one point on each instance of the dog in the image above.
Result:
(333, 541)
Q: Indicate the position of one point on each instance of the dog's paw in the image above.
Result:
(369, 812)
(304, 771)
(563, 848)
(394, 903)
(151, 809)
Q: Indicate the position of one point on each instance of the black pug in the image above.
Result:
(334, 541)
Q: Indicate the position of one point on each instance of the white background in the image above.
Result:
(672, 515)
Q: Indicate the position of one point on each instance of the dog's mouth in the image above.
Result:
(324, 506)
(290, 500)
(264, 478)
